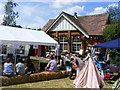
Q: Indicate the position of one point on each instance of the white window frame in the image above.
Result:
(63, 42)
(76, 43)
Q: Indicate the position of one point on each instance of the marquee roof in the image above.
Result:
(13, 35)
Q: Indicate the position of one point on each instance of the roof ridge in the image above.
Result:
(86, 15)
(51, 19)
(67, 14)
(94, 15)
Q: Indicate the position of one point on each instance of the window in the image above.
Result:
(63, 47)
(62, 38)
(76, 43)
(76, 47)
(63, 42)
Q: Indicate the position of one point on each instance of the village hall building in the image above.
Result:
(77, 32)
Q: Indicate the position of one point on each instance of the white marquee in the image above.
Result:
(13, 35)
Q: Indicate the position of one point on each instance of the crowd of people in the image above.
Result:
(20, 67)
(67, 62)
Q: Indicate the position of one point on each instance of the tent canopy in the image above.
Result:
(12, 35)
(89, 76)
(114, 44)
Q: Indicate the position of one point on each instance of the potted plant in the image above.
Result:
(66, 38)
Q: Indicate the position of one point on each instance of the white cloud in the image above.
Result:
(39, 21)
(98, 10)
(30, 16)
(78, 9)
(1, 6)
(27, 10)
(36, 23)
(61, 4)
(113, 5)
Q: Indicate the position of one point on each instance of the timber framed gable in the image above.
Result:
(63, 19)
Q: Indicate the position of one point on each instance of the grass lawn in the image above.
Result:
(56, 83)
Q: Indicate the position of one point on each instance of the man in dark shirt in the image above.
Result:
(29, 67)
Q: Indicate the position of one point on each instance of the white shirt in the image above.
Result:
(81, 52)
(52, 65)
(20, 68)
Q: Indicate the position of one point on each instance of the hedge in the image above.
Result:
(33, 77)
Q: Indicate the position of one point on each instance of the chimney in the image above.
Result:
(75, 15)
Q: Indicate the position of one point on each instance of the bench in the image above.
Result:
(42, 76)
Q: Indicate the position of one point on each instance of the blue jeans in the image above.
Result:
(28, 73)
(8, 75)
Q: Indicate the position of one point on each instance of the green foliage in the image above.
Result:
(115, 56)
(55, 38)
(110, 33)
(67, 39)
(10, 16)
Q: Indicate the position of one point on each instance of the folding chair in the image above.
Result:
(109, 77)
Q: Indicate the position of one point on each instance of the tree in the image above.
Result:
(10, 15)
(110, 33)
(114, 13)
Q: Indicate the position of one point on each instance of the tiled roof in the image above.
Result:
(92, 25)
(47, 25)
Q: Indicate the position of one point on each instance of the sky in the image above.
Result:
(36, 13)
